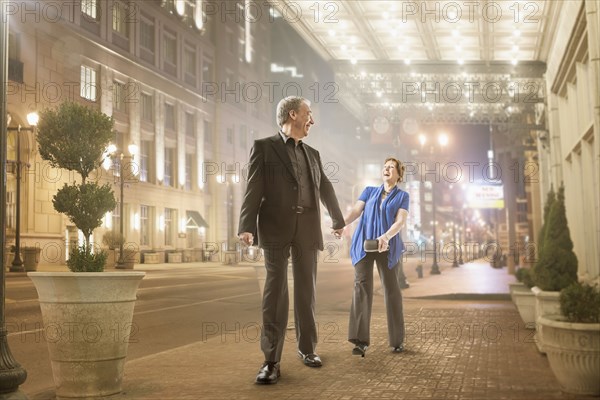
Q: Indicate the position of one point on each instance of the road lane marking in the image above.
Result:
(155, 310)
(195, 304)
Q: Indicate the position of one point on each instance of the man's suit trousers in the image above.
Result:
(275, 305)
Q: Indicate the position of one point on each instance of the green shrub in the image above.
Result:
(523, 275)
(550, 199)
(556, 267)
(580, 303)
(82, 259)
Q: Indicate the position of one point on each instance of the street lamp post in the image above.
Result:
(454, 255)
(12, 375)
(435, 268)
(114, 154)
(229, 215)
(462, 232)
(442, 141)
(32, 119)
(455, 262)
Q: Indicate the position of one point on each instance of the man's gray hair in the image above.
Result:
(286, 105)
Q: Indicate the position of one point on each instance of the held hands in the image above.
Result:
(337, 233)
(247, 238)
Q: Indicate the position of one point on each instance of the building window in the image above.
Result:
(147, 107)
(116, 218)
(169, 175)
(207, 70)
(147, 33)
(243, 136)
(11, 209)
(170, 48)
(207, 133)
(119, 18)
(189, 161)
(229, 136)
(119, 94)
(13, 46)
(190, 126)
(15, 66)
(88, 83)
(170, 117)
(189, 61)
(145, 148)
(242, 36)
(144, 226)
(232, 42)
(169, 216)
(90, 8)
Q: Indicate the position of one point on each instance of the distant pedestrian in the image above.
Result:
(382, 211)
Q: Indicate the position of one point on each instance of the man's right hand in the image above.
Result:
(246, 238)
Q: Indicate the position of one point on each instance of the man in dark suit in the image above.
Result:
(281, 209)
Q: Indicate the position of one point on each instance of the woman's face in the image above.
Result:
(390, 173)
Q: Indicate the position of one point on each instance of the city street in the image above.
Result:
(196, 334)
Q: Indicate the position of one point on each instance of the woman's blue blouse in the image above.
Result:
(376, 219)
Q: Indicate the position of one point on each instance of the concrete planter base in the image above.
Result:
(573, 352)
(175, 258)
(546, 303)
(90, 314)
(525, 302)
(517, 287)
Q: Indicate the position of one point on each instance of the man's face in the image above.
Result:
(303, 119)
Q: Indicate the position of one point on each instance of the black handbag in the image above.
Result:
(371, 245)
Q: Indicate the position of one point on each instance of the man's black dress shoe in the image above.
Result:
(311, 360)
(398, 349)
(360, 349)
(268, 373)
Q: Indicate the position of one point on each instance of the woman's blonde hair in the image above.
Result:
(399, 167)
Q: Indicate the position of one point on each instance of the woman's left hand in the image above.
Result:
(383, 244)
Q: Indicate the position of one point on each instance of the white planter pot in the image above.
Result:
(573, 352)
(87, 322)
(525, 302)
(516, 287)
(546, 303)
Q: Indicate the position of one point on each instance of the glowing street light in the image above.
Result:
(32, 120)
(114, 154)
(443, 142)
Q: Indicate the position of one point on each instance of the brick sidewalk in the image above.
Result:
(455, 349)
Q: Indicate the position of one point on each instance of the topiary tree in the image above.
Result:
(550, 199)
(75, 137)
(556, 267)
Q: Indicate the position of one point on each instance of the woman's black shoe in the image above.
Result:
(360, 350)
(398, 349)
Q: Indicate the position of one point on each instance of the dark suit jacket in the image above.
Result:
(269, 206)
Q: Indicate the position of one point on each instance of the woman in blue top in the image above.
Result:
(382, 211)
